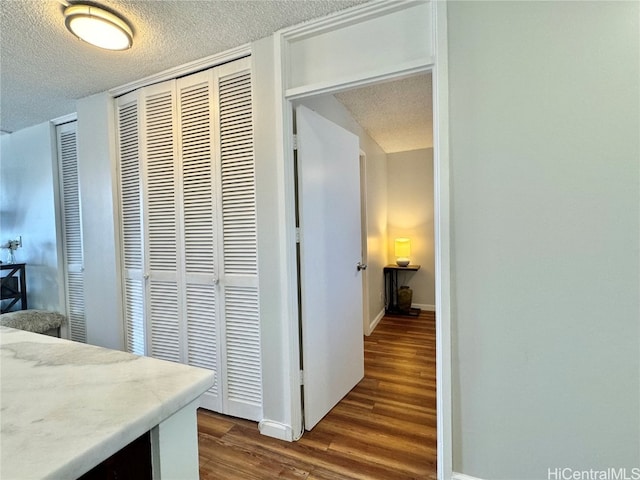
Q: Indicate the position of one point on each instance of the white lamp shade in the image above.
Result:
(98, 27)
(402, 250)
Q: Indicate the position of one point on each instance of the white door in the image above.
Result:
(330, 254)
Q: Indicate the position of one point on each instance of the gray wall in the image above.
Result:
(410, 214)
(544, 118)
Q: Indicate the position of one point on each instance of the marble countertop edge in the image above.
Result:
(113, 443)
(123, 397)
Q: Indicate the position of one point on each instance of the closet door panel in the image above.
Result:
(72, 230)
(163, 241)
(130, 182)
(196, 144)
(241, 329)
(191, 257)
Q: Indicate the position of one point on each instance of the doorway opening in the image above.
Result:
(342, 108)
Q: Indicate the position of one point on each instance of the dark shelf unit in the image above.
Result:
(13, 286)
(391, 289)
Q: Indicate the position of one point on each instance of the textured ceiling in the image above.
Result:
(397, 115)
(44, 69)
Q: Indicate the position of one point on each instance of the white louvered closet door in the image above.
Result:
(189, 230)
(72, 229)
(239, 279)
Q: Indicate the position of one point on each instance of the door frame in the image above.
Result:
(364, 223)
(438, 66)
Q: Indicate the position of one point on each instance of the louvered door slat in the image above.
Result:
(201, 304)
(237, 175)
(165, 329)
(134, 313)
(72, 230)
(75, 307)
(73, 227)
(160, 182)
(242, 332)
(197, 173)
(202, 338)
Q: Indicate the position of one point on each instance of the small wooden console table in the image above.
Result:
(391, 289)
(13, 285)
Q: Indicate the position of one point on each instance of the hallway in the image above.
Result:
(385, 428)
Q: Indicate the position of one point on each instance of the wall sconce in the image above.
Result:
(402, 251)
(98, 27)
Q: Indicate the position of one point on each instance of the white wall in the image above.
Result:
(410, 214)
(27, 207)
(276, 372)
(372, 46)
(376, 171)
(544, 119)
(96, 169)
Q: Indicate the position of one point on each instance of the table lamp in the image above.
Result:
(402, 250)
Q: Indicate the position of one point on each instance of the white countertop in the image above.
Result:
(66, 406)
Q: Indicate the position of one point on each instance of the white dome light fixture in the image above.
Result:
(98, 27)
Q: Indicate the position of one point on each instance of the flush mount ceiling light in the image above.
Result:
(98, 27)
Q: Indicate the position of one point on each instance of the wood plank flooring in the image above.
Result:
(384, 429)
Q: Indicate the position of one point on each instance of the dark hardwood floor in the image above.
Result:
(385, 428)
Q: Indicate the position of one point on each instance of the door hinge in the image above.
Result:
(301, 377)
(295, 141)
(297, 234)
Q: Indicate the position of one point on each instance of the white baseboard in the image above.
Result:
(376, 321)
(424, 306)
(462, 476)
(277, 430)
